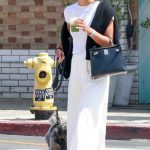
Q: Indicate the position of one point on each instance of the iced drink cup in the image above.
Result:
(72, 25)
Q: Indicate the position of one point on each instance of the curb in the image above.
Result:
(28, 128)
(126, 132)
(39, 128)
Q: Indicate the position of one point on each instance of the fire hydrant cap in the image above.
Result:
(43, 54)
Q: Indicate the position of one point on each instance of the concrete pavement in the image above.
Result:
(122, 123)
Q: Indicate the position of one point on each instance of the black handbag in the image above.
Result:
(107, 61)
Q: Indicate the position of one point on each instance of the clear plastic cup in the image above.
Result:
(73, 27)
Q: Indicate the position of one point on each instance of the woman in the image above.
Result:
(87, 98)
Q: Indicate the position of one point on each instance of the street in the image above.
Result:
(15, 142)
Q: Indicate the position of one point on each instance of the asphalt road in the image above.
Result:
(15, 142)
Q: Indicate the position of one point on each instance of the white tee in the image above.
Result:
(87, 14)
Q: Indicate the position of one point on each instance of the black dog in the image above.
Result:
(56, 137)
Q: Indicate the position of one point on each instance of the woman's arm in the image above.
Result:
(103, 40)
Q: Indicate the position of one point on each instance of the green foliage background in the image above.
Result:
(117, 4)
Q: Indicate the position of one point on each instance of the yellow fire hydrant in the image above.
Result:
(43, 96)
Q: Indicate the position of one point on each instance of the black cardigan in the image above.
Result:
(101, 20)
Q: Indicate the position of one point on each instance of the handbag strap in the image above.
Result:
(110, 41)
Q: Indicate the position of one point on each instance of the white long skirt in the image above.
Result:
(87, 107)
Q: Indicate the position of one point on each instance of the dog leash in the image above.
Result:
(59, 71)
(59, 75)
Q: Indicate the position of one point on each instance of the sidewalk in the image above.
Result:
(122, 123)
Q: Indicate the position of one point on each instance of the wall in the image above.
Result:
(134, 97)
(29, 24)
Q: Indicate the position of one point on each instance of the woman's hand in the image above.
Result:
(59, 55)
(80, 24)
(100, 39)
